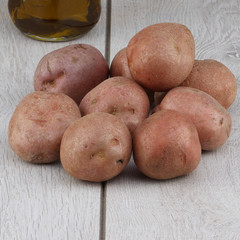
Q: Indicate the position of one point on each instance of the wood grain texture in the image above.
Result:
(39, 201)
(43, 202)
(205, 203)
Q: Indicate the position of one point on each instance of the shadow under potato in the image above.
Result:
(131, 173)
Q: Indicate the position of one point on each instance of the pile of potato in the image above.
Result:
(92, 123)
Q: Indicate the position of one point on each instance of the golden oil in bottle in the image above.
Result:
(54, 20)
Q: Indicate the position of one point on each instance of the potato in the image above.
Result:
(38, 123)
(96, 148)
(215, 79)
(166, 145)
(118, 96)
(119, 65)
(73, 70)
(211, 119)
(161, 56)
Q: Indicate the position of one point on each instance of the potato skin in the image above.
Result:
(119, 65)
(161, 56)
(118, 96)
(96, 147)
(166, 145)
(73, 70)
(38, 123)
(211, 119)
(215, 79)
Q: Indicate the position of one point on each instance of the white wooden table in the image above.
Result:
(42, 202)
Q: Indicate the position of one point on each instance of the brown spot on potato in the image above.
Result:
(94, 101)
(48, 83)
(132, 111)
(120, 161)
(114, 111)
(99, 156)
(61, 74)
(221, 121)
(37, 158)
(51, 83)
(114, 141)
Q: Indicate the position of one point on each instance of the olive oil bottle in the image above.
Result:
(54, 20)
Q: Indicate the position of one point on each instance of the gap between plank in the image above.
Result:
(102, 233)
(108, 31)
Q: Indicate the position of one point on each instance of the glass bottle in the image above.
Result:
(54, 20)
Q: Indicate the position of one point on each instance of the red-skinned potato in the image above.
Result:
(166, 145)
(211, 119)
(215, 79)
(118, 96)
(38, 123)
(119, 65)
(96, 147)
(161, 56)
(73, 70)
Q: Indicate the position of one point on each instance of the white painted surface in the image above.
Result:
(206, 203)
(43, 202)
(39, 201)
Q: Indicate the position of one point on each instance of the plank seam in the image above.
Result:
(103, 212)
(102, 234)
(108, 31)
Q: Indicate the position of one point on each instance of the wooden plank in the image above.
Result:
(39, 201)
(204, 204)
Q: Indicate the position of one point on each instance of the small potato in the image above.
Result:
(38, 123)
(73, 70)
(161, 56)
(96, 147)
(119, 65)
(166, 145)
(211, 119)
(118, 96)
(215, 79)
